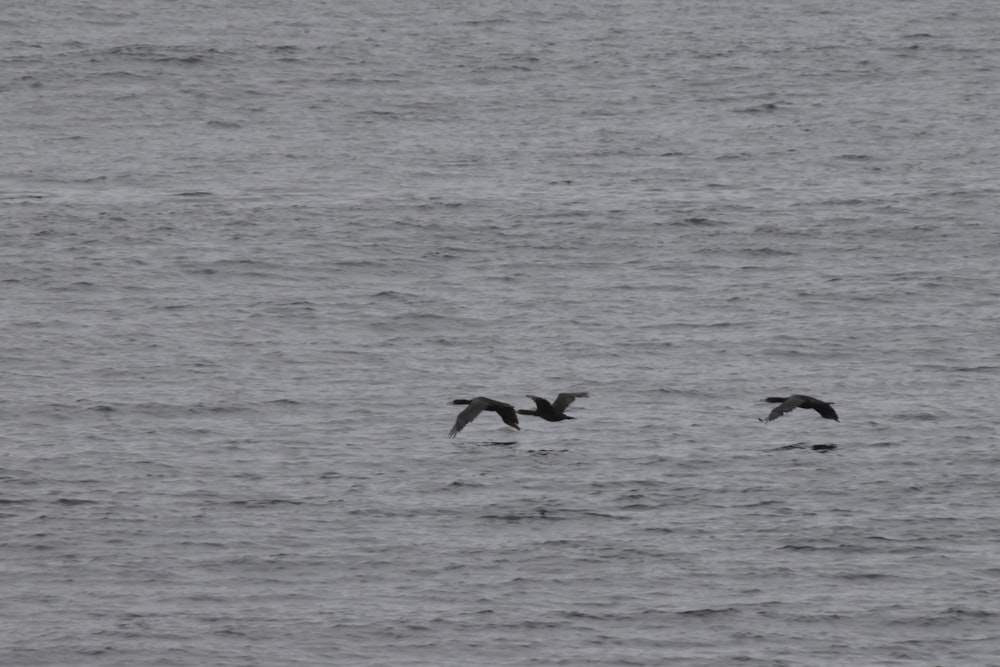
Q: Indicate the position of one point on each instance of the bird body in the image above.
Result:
(477, 405)
(789, 403)
(555, 411)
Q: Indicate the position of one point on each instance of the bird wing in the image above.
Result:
(563, 400)
(507, 413)
(790, 404)
(540, 403)
(476, 406)
(825, 410)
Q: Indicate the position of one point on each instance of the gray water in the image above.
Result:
(251, 251)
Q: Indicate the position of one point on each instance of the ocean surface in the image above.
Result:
(251, 251)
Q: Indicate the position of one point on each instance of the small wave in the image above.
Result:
(970, 613)
(458, 484)
(809, 547)
(822, 448)
(953, 615)
(540, 514)
(709, 611)
(224, 124)
(266, 502)
(158, 53)
(767, 252)
(395, 295)
(917, 416)
(283, 401)
(696, 221)
(761, 108)
(865, 576)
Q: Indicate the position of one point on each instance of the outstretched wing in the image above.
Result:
(825, 410)
(540, 403)
(790, 404)
(476, 406)
(507, 413)
(563, 400)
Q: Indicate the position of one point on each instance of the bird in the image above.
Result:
(789, 403)
(553, 412)
(477, 405)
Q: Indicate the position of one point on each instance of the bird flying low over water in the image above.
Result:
(789, 403)
(477, 405)
(553, 412)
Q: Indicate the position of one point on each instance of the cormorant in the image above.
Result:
(552, 412)
(799, 401)
(477, 405)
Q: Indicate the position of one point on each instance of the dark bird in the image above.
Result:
(477, 405)
(788, 404)
(552, 412)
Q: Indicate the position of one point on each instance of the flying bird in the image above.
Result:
(789, 403)
(477, 405)
(553, 412)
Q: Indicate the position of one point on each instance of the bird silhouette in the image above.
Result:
(477, 405)
(789, 403)
(553, 412)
